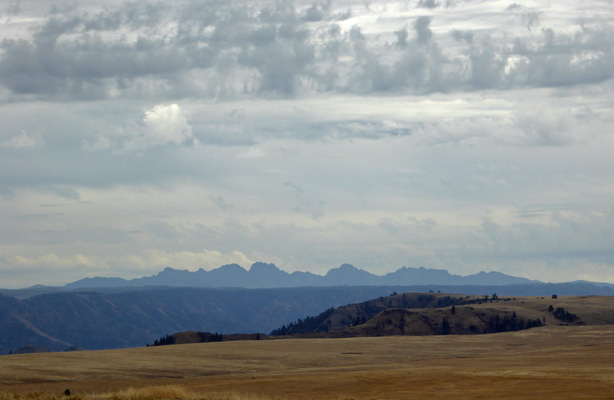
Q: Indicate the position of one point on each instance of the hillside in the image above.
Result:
(118, 318)
(420, 314)
(99, 320)
(434, 313)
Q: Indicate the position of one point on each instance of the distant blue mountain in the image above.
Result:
(599, 284)
(97, 282)
(349, 275)
(266, 276)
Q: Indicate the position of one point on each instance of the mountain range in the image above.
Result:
(265, 276)
(102, 313)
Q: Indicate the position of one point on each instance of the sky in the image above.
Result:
(453, 134)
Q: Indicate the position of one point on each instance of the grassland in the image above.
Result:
(541, 363)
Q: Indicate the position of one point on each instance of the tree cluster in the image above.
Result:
(513, 323)
(486, 298)
(563, 315)
(163, 341)
(206, 337)
(445, 326)
(318, 323)
(358, 314)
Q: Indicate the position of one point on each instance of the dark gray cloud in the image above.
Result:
(428, 4)
(462, 35)
(513, 6)
(402, 36)
(531, 19)
(423, 30)
(317, 12)
(228, 50)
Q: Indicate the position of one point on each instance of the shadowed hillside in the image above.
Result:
(134, 318)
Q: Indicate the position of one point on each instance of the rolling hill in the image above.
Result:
(419, 314)
(435, 313)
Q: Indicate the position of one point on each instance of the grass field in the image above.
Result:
(542, 363)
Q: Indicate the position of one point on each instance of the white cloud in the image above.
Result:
(56, 261)
(165, 123)
(154, 259)
(22, 141)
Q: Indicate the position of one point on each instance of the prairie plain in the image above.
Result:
(547, 362)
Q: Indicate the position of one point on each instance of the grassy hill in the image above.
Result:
(419, 314)
(436, 313)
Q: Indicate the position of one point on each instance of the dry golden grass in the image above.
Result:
(148, 393)
(541, 363)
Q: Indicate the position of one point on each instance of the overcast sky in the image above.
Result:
(456, 134)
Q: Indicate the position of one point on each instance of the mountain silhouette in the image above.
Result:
(265, 276)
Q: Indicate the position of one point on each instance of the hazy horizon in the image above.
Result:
(460, 135)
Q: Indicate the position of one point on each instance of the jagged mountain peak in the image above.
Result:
(231, 267)
(260, 267)
(345, 268)
(268, 275)
(171, 271)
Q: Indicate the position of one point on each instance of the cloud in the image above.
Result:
(521, 247)
(51, 261)
(548, 127)
(153, 260)
(163, 124)
(401, 38)
(428, 4)
(462, 35)
(222, 203)
(166, 124)
(284, 50)
(317, 12)
(423, 30)
(531, 19)
(513, 6)
(22, 141)
(14, 7)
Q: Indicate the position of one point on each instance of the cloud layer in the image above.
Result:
(449, 134)
(226, 50)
